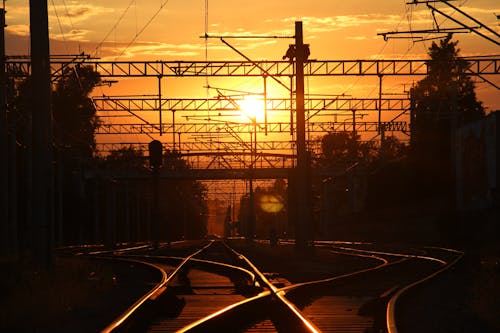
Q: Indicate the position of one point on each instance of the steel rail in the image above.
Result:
(208, 262)
(273, 292)
(165, 280)
(391, 306)
(277, 293)
(201, 324)
(280, 293)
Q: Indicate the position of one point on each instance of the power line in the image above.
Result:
(113, 28)
(143, 28)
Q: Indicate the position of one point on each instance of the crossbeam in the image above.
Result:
(148, 103)
(217, 174)
(224, 128)
(199, 146)
(116, 69)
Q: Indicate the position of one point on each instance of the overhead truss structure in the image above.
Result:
(228, 127)
(117, 69)
(154, 103)
(204, 139)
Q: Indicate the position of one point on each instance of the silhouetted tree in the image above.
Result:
(341, 150)
(390, 177)
(441, 102)
(183, 208)
(74, 122)
(75, 119)
(184, 203)
(393, 149)
(126, 158)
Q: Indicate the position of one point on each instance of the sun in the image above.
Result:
(252, 108)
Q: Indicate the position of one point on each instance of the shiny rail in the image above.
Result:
(158, 288)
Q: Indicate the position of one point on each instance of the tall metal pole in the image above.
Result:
(265, 104)
(42, 134)
(304, 216)
(251, 196)
(173, 130)
(379, 102)
(4, 164)
(13, 177)
(159, 105)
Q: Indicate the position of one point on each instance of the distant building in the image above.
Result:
(477, 163)
(216, 215)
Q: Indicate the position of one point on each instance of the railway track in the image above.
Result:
(215, 288)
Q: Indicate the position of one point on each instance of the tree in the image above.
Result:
(341, 150)
(182, 208)
(75, 119)
(126, 158)
(74, 124)
(442, 101)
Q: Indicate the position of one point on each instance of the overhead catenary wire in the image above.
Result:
(162, 5)
(113, 28)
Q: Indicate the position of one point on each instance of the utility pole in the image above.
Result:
(42, 171)
(303, 170)
(155, 161)
(4, 151)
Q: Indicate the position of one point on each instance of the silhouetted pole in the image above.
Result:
(111, 210)
(42, 134)
(4, 152)
(155, 161)
(251, 197)
(304, 216)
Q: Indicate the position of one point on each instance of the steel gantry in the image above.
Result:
(154, 103)
(241, 128)
(117, 69)
(324, 114)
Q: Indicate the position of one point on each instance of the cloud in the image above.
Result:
(72, 35)
(424, 16)
(336, 23)
(18, 30)
(356, 37)
(150, 49)
(77, 12)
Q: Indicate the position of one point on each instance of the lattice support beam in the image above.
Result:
(116, 69)
(135, 104)
(226, 128)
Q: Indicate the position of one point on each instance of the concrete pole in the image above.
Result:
(159, 105)
(380, 76)
(4, 149)
(304, 217)
(42, 134)
(13, 178)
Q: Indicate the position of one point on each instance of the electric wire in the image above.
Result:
(59, 23)
(162, 5)
(68, 15)
(113, 28)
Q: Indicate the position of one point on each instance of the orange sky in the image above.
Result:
(171, 30)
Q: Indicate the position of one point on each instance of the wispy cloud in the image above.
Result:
(72, 35)
(18, 29)
(150, 49)
(336, 23)
(77, 12)
(356, 38)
